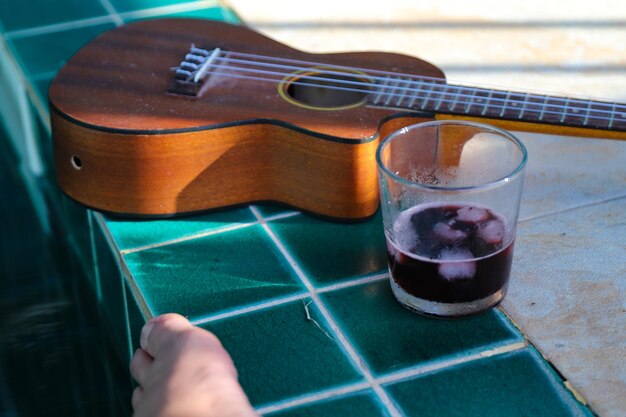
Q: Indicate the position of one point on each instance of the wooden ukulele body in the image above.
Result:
(124, 145)
(131, 138)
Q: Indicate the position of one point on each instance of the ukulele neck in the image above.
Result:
(450, 101)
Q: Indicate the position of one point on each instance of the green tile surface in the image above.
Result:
(213, 13)
(111, 292)
(212, 274)
(280, 354)
(44, 143)
(48, 52)
(372, 318)
(56, 358)
(136, 318)
(76, 220)
(516, 384)
(16, 15)
(129, 233)
(360, 404)
(329, 252)
(271, 209)
(41, 89)
(134, 5)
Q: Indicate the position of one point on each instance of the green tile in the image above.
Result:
(132, 233)
(132, 5)
(48, 52)
(212, 274)
(44, 143)
(136, 318)
(273, 209)
(212, 13)
(41, 88)
(16, 15)
(279, 354)
(21, 238)
(111, 294)
(329, 252)
(512, 385)
(78, 225)
(390, 337)
(360, 404)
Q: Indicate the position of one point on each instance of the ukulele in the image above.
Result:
(176, 116)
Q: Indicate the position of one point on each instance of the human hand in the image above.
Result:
(184, 371)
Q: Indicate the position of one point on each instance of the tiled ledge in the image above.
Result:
(304, 306)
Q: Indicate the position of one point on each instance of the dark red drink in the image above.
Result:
(451, 258)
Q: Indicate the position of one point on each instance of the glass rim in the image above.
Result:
(489, 184)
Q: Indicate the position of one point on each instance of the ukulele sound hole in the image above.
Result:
(323, 91)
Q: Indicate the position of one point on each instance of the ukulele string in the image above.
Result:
(430, 95)
(438, 81)
(399, 77)
(497, 107)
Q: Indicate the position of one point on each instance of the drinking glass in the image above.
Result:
(450, 194)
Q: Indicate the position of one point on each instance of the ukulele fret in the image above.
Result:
(612, 114)
(524, 103)
(486, 106)
(440, 100)
(564, 110)
(586, 121)
(393, 85)
(433, 88)
(476, 102)
(381, 90)
(455, 99)
(533, 107)
(506, 100)
(470, 101)
(577, 112)
(543, 108)
(415, 97)
(405, 89)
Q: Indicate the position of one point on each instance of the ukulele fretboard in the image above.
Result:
(434, 96)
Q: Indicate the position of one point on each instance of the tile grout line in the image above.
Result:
(43, 75)
(307, 399)
(173, 8)
(566, 209)
(94, 255)
(278, 301)
(136, 293)
(353, 283)
(111, 17)
(394, 377)
(350, 350)
(112, 12)
(251, 308)
(422, 370)
(58, 27)
(129, 337)
(27, 84)
(548, 362)
(206, 233)
(187, 238)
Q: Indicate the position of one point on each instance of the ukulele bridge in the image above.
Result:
(194, 70)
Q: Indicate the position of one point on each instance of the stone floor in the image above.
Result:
(568, 292)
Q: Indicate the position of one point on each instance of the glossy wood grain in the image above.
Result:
(124, 144)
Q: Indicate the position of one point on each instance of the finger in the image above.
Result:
(140, 366)
(161, 331)
(137, 394)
